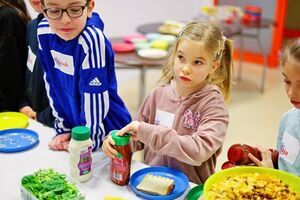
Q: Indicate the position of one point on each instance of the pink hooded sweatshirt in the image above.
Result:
(184, 134)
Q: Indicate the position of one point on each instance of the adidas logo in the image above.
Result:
(95, 82)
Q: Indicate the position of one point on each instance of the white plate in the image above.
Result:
(152, 53)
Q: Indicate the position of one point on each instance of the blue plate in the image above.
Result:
(16, 140)
(181, 182)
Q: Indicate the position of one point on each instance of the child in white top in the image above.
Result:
(288, 141)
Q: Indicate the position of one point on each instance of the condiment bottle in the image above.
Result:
(80, 149)
(120, 165)
(238, 153)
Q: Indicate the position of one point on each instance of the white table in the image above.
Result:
(13, 166)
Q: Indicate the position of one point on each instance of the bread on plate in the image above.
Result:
(156, 185)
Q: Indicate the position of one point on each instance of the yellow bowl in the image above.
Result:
(289, 179)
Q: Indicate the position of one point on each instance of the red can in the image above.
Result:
(120, 166)
(238, 153)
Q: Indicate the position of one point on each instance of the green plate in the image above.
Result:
(10, 120)
(289, 179)
(195, 193)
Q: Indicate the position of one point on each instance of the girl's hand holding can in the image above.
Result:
(132, 129)
(266, 156)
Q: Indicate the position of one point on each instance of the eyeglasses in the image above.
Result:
(73, 11)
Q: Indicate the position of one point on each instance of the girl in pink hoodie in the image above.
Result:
(182, 123)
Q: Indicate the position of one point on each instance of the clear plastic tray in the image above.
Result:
(27, 195)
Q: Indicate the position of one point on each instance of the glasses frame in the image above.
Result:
(66, 10)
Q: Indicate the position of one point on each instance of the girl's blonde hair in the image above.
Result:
(215, 44)
(291, 52)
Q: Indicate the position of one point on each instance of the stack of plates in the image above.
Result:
(13, 136)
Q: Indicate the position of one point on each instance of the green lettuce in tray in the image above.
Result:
(47, 184)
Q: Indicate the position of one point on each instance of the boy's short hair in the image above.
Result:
(42, 2)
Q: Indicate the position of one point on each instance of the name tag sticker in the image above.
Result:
(63, 62)
(30, 59)
(164, 118)
(289, 148)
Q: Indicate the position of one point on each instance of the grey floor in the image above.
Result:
(254, 116)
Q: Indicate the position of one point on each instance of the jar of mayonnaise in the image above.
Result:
(80, 149)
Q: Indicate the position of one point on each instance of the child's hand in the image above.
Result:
(28, 111)
(107, 147)
(266, 156)
(130, 128)
(60, 142)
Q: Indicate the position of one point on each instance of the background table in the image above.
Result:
(257, 27)
(153, 28)
(15, 165)
(231, 30)
(131, 60)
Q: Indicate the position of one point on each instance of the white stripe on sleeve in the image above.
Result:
(85, 63)
(54, 111)
(90, 46)
(102, 47)
(106, 102)
(87, 108)
(97, 45)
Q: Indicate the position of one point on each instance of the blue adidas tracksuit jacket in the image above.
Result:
(80, 80)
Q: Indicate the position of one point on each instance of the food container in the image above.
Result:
(27, 195)
(217, 178)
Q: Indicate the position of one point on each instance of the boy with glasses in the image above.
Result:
(79, 73)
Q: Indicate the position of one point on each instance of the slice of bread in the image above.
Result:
(156, 185)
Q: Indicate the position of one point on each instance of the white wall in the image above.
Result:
(121, 17)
